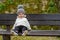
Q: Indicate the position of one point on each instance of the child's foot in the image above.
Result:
(25, 33)
(14, 33)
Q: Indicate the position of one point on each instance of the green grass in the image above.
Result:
(32, 38)
(0, 37)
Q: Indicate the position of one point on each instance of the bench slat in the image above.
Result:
(33, 17)
(44, 33)
(4, 32)
(46, 17)
(37, 33)
(32, 22)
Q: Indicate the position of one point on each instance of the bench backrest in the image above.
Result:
(34, 19)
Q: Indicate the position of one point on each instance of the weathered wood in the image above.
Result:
(32, 23)
(44, 33)
(6, 37)
(34, 19)
(8, 27)
(4, 32)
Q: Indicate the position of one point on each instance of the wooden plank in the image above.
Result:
(7, 22)
(46, 17)
(45, 22)
(3, 32)
(37, 33)
(6, 37)
(44, 33)
(33, 22)
(7, 17)
(33, 17)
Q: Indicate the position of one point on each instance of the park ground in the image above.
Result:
(32, 38)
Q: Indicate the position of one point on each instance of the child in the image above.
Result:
(21, 25)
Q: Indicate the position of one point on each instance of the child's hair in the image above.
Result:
(20, 9)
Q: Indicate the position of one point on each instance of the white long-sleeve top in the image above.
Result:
(22, 21)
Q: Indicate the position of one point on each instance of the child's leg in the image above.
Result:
(16, 30)
(20, 30)
(24, 31)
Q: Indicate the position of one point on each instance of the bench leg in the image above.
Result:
(6, 37)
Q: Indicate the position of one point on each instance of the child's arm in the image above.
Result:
(14, 25)
(28, 25)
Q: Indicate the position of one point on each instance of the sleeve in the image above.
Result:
(28, 25)
(14, 25)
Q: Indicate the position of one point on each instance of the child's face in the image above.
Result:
(21, 15)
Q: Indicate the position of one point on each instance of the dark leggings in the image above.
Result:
(20, 29)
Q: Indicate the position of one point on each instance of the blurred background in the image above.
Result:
(31, 6)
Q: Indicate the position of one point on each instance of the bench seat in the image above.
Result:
(4, 32)
(44, 33)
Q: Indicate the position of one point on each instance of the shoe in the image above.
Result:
(25, 33)
(14, 33)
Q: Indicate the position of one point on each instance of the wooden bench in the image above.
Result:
(34, 19)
